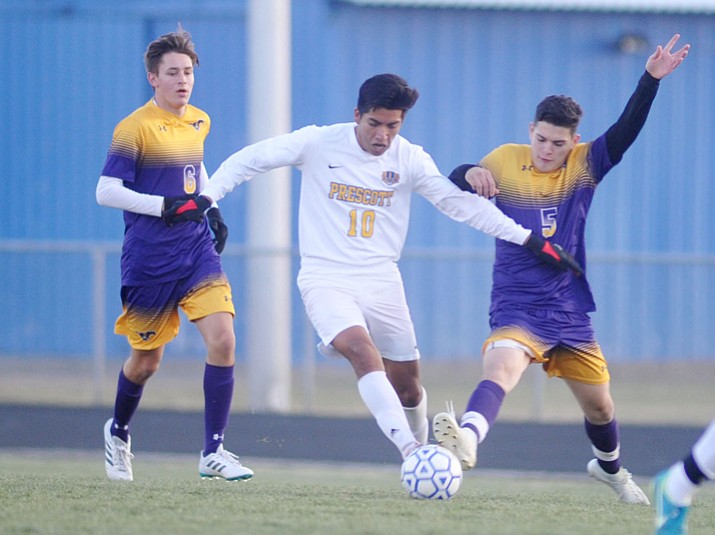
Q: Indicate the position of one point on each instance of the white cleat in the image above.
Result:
(621, 482)
(117, 455)
(223, 464)
(459, 440)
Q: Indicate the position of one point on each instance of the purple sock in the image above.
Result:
(218, 392)
(605, 438)
(693, 471)
(128, 396)
(486, 399)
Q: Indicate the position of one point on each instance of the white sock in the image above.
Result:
(678, 487)
(381, 400)
(417, 418)
(704, 452)
(479, 422)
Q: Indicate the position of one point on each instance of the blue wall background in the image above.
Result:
(74, 68)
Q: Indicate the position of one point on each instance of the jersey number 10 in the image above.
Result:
(367, 223)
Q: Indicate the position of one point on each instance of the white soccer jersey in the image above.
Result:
(355, 207)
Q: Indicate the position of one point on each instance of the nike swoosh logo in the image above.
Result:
(330, 166)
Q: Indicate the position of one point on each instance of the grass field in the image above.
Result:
(46, 492)
(67, 493)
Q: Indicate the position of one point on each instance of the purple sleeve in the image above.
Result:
(598, 160)
(124, 153)
(119, 166)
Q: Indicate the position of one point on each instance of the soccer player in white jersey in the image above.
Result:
(676, 486)
(357, 185)
(156, 156)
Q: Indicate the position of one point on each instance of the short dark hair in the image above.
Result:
(387, 91)
(178, 41)
(559, 110)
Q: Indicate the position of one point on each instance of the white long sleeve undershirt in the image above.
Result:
(111, 192)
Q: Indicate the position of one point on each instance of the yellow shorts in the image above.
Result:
(585, 363)
(150, 316)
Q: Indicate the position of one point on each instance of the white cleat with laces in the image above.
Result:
(621, 482)
(117, 455)
(223, 464)
(459, 440)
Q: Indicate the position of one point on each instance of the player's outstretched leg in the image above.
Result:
(117, 455)
(223, 464)
(621, 482)
(670, 519)
(462, 441)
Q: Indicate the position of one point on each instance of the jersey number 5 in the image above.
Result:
(367, 223)
(548, 221)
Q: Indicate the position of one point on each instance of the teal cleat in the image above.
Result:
(670, 519)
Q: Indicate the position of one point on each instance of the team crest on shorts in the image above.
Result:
(390, 178)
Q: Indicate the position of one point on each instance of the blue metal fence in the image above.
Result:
(74, 69)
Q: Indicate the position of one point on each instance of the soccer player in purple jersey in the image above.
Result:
(539, 314)
(155, 158)
(676, 486)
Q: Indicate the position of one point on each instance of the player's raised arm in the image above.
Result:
(662, 62)
(625, 130)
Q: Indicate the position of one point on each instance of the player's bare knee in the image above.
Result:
(139, 372)
(600, 414)
(223, 344)
(410, 394)
(360, 350)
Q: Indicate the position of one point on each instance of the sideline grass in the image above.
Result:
(167, 497)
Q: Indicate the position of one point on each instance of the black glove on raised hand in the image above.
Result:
(552, 253)
(191, 209)
(218, 227)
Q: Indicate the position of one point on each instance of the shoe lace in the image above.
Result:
(450, 408)
(231, 458)
(122, 457)
(627, 486)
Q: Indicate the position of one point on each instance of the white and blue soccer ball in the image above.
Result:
(431, 472)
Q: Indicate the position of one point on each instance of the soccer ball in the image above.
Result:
(431, 472)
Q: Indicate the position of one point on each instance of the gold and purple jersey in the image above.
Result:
(554, 205)
(156, 152)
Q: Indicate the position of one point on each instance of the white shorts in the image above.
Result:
(335, 302)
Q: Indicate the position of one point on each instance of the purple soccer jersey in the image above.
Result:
(158, 153)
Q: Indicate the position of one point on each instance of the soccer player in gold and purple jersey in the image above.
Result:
(155, 158)
(539, 314)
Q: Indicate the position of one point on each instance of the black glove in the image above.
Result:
(191, 209)
(552, 253)
(170, 201)
(218, 227)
